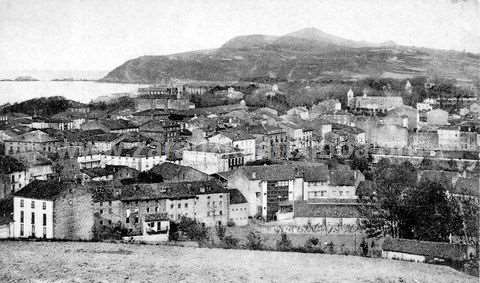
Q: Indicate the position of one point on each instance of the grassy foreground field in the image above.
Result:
(105, 262)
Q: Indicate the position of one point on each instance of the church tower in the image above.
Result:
(350, 99)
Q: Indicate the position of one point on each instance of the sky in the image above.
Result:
(100, 35)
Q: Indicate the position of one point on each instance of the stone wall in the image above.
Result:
(73, 214)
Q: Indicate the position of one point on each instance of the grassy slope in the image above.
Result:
(102, 262)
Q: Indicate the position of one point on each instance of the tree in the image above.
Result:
(384, 214)
(364, 247)
(254, 240)
(194, 230)
(221, 230)
(284, 244)
(430, 214)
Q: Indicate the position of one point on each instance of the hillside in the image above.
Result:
(104, 262)
(305, 54)
(43, 106)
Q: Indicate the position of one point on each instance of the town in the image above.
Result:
(157, 165)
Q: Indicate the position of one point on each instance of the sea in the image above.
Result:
(81, 91)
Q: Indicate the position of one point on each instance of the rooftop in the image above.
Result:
(432, 249)
(236, 197)
(45, 190)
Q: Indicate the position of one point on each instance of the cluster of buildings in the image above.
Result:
(81, 173)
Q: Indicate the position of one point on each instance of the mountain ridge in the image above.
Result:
(304, 54)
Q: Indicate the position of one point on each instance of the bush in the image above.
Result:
(254, 240)
(331, 248)
(364, 247)
(312, 241)
(192, 229)
(230, 242)
(284, 244)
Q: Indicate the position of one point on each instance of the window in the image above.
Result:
(44, 232)
(44, 205)
(101, 211)
(21, 230)
(171, 206)
(22, 216)
(136, 219)
(221, 196)
(21, 203)
(44, 220)
(179, 205)
(33, 204)
(101, 222)
(186, 205)
(220, 212)
(156, 208)
(33, 218)
(148, 209)
(127, 220)
(101, 203)
(110, 203)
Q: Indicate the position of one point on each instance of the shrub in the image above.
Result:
(364, 247)
(194, 230)
(331, 248)
(313, 241)
(284, 244)
(254, 240)
(230, 242)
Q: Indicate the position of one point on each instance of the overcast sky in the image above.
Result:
(100, 35)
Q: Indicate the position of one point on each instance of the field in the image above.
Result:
(107, 262)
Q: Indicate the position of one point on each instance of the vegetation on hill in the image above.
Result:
(43, 106)
(305, 55)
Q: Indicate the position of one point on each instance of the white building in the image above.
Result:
(32, 217)
(213, 158)
(238, 139)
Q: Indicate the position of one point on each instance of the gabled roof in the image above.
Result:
(214, 148)
(179, 190)
(236, 197)
(425, 248)
(96, 172)
(237, 135)
(35, 136)
(170, 170)
(316, 173)
(119, 124)
(46, 190)
(270, 173)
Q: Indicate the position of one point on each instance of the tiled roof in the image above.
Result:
(47, 190)
(170, 170)
(237, 135)
(156, 217)
(270, 173)
(342, 177)
(96, 172)
(316, 173)
(9, 165)
(236, 197)
(118, 124)
(310, 209)
(214, 148)
(179, 190)
(431, 249)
